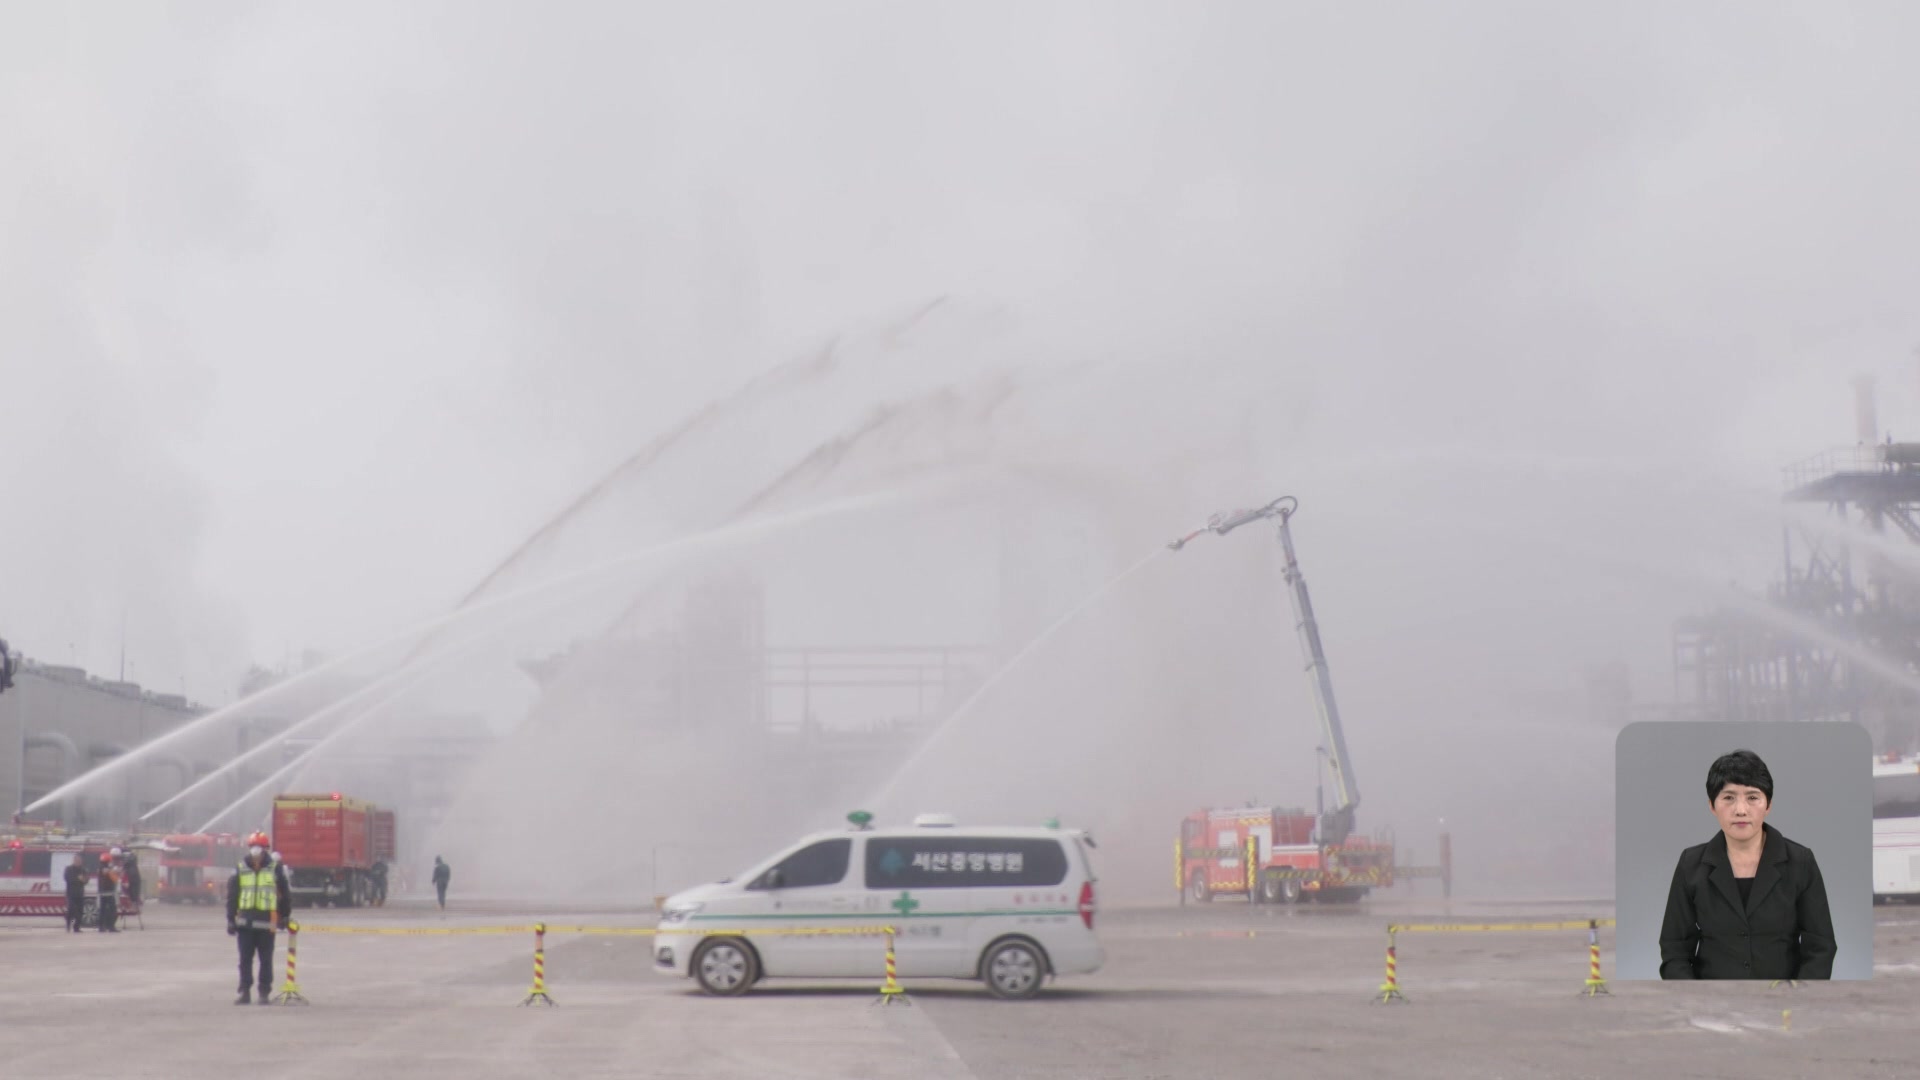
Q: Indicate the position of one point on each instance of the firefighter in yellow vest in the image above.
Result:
(259, 902)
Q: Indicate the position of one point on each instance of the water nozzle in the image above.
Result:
(1228, 520)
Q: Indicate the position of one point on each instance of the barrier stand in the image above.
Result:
(1390, 990)
(1792, 984)
(290, 989)
(539, 991)
(891, 991)
(1595, 984)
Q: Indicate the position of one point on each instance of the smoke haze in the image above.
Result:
(312, 318)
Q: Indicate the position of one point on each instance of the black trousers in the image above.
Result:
(109, 911)
(441, 888)
(255, 943)
(75, 901)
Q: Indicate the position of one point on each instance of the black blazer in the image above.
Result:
(1783, 931)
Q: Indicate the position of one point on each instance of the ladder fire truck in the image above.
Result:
(1284, 855)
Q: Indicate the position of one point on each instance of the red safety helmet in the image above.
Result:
(259, 839)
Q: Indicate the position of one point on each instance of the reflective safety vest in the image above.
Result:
(257, 891)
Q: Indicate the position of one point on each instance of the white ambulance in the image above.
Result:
(1006, 905)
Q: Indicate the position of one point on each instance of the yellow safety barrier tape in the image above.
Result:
(309, 928)
(636, 931)
(857, 931)
(1578, 924)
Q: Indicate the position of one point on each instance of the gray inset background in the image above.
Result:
(1823, 798)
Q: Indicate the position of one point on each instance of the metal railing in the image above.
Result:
(1849, 459)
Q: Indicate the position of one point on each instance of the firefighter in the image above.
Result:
(109, 895)
(258, 901)
(442, 874)
(379, 873)
(76, 879)
(132, 870)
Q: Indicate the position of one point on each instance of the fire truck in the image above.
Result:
(194, 867)
(33, 876)
(1284, 855)
(330, 844)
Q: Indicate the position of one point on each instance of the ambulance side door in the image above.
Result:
(920, 886)
(812, 890)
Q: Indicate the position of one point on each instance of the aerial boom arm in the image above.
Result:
(1337, 824)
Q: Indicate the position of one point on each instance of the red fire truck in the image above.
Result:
(33, 876)
(194, 867)
(330, 845)
(1289, 863)
(1284, 855)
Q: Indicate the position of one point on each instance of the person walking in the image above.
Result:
(76, 879)
(109, 895)
(259, 900)
(379, 874)
(442, 874)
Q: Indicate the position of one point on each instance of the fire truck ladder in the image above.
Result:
(1337, 824)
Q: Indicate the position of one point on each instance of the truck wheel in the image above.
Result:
(1276, 890)
(725, 967)
(1197, 888)
(90, 912)
(1013, 970)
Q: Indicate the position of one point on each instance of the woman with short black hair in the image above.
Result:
(1750, 903)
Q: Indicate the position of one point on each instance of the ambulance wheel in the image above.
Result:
(1197, 888)
(90, 913)
(1013, 970)
(725, 967)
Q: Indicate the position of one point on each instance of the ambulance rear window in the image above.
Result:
(955, 862)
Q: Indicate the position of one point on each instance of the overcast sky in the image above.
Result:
(309, 314)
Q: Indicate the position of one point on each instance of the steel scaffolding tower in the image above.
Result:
(1727, 665)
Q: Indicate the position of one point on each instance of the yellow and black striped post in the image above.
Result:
(1180, 871)
(1595, 984)
(290, 989)
(1252, 856)
(539, 991)
(1390, 990)
(891, 991)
